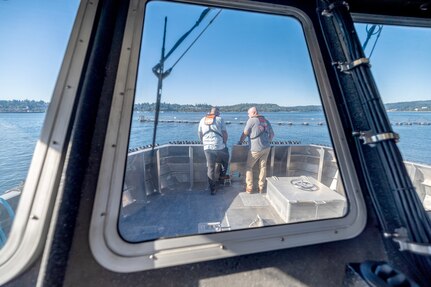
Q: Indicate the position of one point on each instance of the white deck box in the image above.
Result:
(304, 199)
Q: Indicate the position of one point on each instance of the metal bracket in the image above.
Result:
(417, 248)
(371, 139)
(346, 67)
(328, 11)
(400, 236)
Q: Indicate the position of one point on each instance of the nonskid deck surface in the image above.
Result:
(180, 211)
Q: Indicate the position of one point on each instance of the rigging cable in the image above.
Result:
(371, 32)
(188, 48)
(185, 35)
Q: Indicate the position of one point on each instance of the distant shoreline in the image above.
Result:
(7, 112)
(408, 111)
(31, 106)
(42, 112)
(2, 112)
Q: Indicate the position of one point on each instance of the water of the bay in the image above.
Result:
(20, 132)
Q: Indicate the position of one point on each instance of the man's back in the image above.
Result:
(260, 133)
(212, 132)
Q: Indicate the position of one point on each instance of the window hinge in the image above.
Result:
(371, 139)
(346, 67)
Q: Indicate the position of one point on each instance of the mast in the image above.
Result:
(158, 71)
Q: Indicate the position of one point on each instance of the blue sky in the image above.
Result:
(401, 63)
(33, 37)
(242, 57)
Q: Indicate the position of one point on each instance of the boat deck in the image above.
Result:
(165, 192)
(180, 211)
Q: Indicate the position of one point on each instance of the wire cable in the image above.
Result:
(377, 38)
(200, 34)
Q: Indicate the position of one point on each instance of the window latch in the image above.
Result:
(345, 67)
(371, 139)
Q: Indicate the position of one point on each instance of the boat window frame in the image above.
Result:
(391, 20)
(116, 254)
(30, 227)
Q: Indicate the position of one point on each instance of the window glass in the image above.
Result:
(34, 36)
(232, 60)
(400, 64)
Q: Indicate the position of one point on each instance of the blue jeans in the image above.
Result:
(216, 156)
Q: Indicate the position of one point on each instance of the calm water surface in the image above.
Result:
(20, 132)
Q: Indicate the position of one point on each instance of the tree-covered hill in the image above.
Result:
(419, 106)
(25, 106)
(423, 106)
(233, 108)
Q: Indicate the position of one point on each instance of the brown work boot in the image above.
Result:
(249, 190)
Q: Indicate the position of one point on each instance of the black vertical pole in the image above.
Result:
(159, 72)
